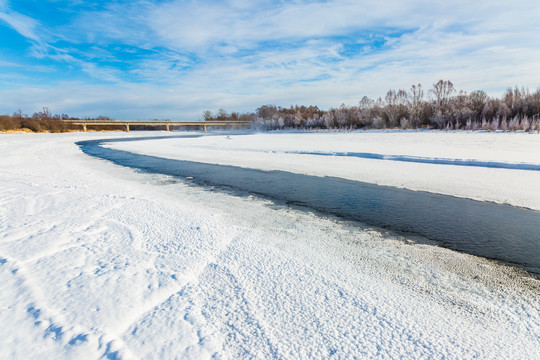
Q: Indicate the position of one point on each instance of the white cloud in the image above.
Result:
(242, 54)
(186, 24)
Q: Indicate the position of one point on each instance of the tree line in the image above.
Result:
(441, 107)
(41, 121)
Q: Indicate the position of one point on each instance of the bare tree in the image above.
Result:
(417, 97)
(222, 114)
(207, 115)
(443, 91)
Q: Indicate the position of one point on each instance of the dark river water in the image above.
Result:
(502, 232)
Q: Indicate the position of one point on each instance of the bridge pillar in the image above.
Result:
(127, 127)
(168, 128)
(84, 127)
(204, 127)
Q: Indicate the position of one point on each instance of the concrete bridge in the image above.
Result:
(166, 124)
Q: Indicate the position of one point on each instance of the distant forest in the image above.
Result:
(42, 121)
(441, 107)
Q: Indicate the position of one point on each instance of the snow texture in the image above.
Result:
(100, 261)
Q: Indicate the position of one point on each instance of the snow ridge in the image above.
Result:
(427, 160)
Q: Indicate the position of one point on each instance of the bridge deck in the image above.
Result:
(167, 124)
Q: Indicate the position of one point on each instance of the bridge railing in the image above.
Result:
(167, 123)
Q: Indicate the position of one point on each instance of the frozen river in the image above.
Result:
(496, 231)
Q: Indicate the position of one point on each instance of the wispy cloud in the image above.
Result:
(24, 25)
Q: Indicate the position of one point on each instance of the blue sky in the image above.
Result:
(173, 59)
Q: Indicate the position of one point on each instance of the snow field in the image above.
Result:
(98, 261)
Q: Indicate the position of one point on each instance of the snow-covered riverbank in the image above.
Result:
(100, 261)
(354, 156)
